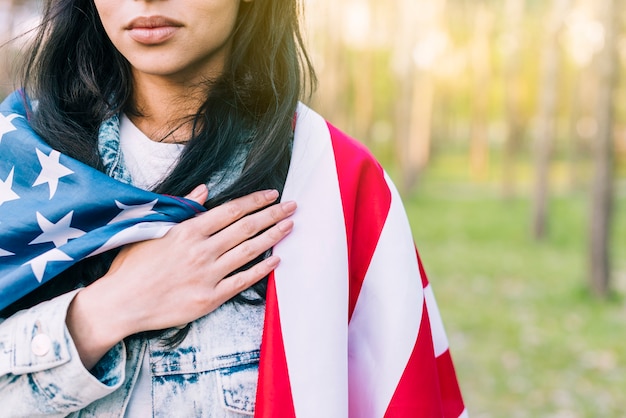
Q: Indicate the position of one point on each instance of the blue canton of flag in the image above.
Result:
(55, 211)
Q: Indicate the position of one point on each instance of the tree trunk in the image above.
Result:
(7, 50)
(480, 56)
(574, 137)
(363, 79)
(547, 117)
(514, 14)
(421, 120)
(405, 130)
(403, 74)
(602, 183)
(413, 112)
(330, 98)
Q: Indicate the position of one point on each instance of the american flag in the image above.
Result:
(55, 211)
(351, 329)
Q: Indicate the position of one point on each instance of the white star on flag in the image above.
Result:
(5, 253)
(51, 170)
(5, 124)
(133, 211)
(38, 264)
(58, 233)
(6, 193)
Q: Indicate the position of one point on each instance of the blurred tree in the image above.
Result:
(363, 92)
(481, 69)
(331, 61)
(513, 18)
(7, 10)
(361, 44)
(602, 183)
(419, 42)
(580, 124)
(583, 39)
(16, 18)
(546, 117)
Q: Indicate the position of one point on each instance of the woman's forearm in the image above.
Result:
(94, 325)
(41, 372)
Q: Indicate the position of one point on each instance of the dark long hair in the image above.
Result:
(79, 80)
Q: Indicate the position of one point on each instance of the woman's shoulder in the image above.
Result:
(347, 150)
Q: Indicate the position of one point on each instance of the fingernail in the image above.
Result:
(272, 261)
(271, 194)
(290, 206)
(285, 226)
(197, 192)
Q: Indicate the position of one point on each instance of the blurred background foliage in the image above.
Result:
(503, 123)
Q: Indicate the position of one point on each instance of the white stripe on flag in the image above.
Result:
(138, 232)
(440, 339)
(386, 319)
(311, 282)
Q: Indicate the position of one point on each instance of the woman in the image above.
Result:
(199, 98)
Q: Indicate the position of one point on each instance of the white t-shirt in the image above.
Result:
(148, 162)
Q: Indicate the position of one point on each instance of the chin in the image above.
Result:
(174, 68)
(159, 68)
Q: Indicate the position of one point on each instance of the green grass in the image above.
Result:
(527, 337)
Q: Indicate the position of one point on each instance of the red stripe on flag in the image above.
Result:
(366, 201)
(417, 393)
(422, 271)
(451, 397)
(273, 396)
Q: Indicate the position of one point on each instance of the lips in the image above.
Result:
(152, 30)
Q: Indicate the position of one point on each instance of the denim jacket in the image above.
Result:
(212, 373)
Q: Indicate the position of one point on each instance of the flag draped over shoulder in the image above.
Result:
(351, 329)
(55, 211)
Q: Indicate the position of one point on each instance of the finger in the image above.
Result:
(220, 217)
(251, 225)
(252, 248)
(199, 194)
(239, 282)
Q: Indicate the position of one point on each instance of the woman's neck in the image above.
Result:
(166, 109)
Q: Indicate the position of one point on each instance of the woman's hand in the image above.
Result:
(176, 279)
